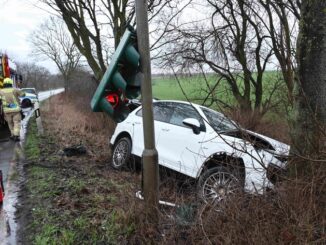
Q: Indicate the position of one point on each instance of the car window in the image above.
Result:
(183, 111)
(161, 112)
(28, 90)
(139, 112)
(218, 121)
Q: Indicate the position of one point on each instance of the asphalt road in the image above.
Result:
(46, 94)
(6, 155)
(10, 155)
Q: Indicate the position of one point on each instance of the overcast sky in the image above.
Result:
(18, 18)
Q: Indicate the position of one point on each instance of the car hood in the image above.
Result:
(259, 141)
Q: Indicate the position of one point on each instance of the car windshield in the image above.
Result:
(218, 121)
(29, 90)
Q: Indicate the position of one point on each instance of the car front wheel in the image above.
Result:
(121, 153)
(217, 184)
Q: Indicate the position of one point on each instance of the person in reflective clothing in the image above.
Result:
(11, 108)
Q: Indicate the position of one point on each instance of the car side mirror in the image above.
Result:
(192, 123)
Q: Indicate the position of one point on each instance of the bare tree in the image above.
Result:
(34, 75)
(282, 26)
(53, 41)
(310, 125)
(233, 44)
(239, 40)
(93, 23)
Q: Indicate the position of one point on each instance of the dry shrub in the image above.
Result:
(293, 214)
(71, 118)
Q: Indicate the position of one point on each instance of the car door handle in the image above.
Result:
(165, 129)
(138, 123)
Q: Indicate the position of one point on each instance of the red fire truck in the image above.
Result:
(8, 69)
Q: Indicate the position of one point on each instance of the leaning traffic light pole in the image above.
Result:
(150, 156)
(128, 72)
(121, 80)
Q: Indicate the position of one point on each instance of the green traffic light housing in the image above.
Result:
(121, 80)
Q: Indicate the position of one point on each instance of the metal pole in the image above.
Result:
(38, 118)
(150, 156)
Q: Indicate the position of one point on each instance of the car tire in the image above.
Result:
(216, 184)
(121, 153)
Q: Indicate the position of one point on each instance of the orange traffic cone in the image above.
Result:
(2, 190)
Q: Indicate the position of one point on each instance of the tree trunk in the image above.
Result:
(309, 139)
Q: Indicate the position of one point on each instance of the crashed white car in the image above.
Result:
(203, 144)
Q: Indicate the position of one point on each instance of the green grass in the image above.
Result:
(32, 149)
(71, 206)
(72, 226)
(196, 89)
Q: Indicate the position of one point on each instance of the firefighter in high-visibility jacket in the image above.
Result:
(11, 107)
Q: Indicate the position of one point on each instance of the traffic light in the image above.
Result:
(121, 80)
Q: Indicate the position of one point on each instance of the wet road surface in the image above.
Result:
(11, 154)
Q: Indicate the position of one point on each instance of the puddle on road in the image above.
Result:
(8, 222)
(8, 225)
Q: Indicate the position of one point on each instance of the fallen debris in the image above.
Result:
(74, 150)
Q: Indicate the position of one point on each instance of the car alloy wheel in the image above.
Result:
(217, 184)
(121, 153)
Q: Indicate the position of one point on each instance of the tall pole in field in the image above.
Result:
(150, 156)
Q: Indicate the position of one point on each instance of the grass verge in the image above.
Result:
(32, 149)
(81, 200)
(71, 200)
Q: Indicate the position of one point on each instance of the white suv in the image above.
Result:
(203, 144)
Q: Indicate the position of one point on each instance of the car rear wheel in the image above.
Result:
(121, 153)
(217, 184)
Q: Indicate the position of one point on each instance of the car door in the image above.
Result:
(161, 114)
(178, 146)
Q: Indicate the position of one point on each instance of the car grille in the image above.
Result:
(275, 173)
